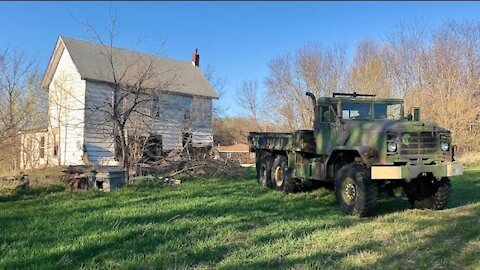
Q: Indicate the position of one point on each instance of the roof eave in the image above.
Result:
(52, 63)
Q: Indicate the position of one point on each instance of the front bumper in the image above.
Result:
(413, 171)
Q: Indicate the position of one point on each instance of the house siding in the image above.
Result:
(184, 114)
(99, 144)
(66, 110)
(179, 114)
(79, 127)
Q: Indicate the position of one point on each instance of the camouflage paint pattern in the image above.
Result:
(309, 152)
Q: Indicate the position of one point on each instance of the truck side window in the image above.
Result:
(333, 112)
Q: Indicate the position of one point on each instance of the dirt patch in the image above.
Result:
(37, 177)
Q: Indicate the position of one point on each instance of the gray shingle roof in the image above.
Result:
(166, 74)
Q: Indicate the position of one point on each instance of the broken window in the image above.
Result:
(155, 110)
(187, 115)
(55, 150)
(153, 147)
(42, 147)
(147, 149)
(187, 140)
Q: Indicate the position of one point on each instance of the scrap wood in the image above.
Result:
(188, 168)
(195, 167)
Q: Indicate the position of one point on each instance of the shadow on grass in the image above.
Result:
(30, 193)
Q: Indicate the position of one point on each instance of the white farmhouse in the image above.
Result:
(80, 80)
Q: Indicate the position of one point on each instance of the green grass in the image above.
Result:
(232, 224)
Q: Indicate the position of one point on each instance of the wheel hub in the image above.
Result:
(349, 191)
(263, 173)
(278, 176)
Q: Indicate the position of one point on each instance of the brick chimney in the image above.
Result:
(196, 58)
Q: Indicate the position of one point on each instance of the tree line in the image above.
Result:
(436, 69)
(23, 105)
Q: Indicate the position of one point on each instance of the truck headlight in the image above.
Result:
(391, 147)
(444, 146)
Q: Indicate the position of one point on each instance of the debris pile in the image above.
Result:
(193, 168)
(18, 181)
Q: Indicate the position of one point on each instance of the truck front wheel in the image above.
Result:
(428, 193)
(355, 192)
(281, 176)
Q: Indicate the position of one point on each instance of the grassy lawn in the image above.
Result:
(232, 224)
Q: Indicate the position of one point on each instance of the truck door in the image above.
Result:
(326, 129)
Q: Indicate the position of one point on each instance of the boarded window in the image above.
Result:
(42, 147)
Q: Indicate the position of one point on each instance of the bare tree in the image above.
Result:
(439, 72)
(20, 102)
(370, 71)
(217, 83)
(313, 68)
(248, 99)
(133, 87)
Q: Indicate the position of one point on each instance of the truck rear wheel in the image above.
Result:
(264, 171)
(355, 192)
(281, 177)
(428, 193)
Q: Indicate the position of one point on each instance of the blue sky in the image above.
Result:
(236, 38)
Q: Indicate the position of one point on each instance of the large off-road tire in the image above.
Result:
(264, 170)
(355, 192)
(428, 193)
(281, 176)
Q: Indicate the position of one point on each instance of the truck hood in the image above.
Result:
(355, 133)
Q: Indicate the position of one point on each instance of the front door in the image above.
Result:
(326, 129)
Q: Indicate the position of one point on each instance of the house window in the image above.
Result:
(155, 110)
(42, 147)
(187, 115)
(55, 150)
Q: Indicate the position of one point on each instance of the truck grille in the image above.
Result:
(415, 145)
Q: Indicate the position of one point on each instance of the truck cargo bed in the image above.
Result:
(301, 141)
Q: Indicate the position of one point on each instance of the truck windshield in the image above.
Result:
(360, 111)
(364, 111)
(388, 111)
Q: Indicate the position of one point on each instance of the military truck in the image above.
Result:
(360, 145)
